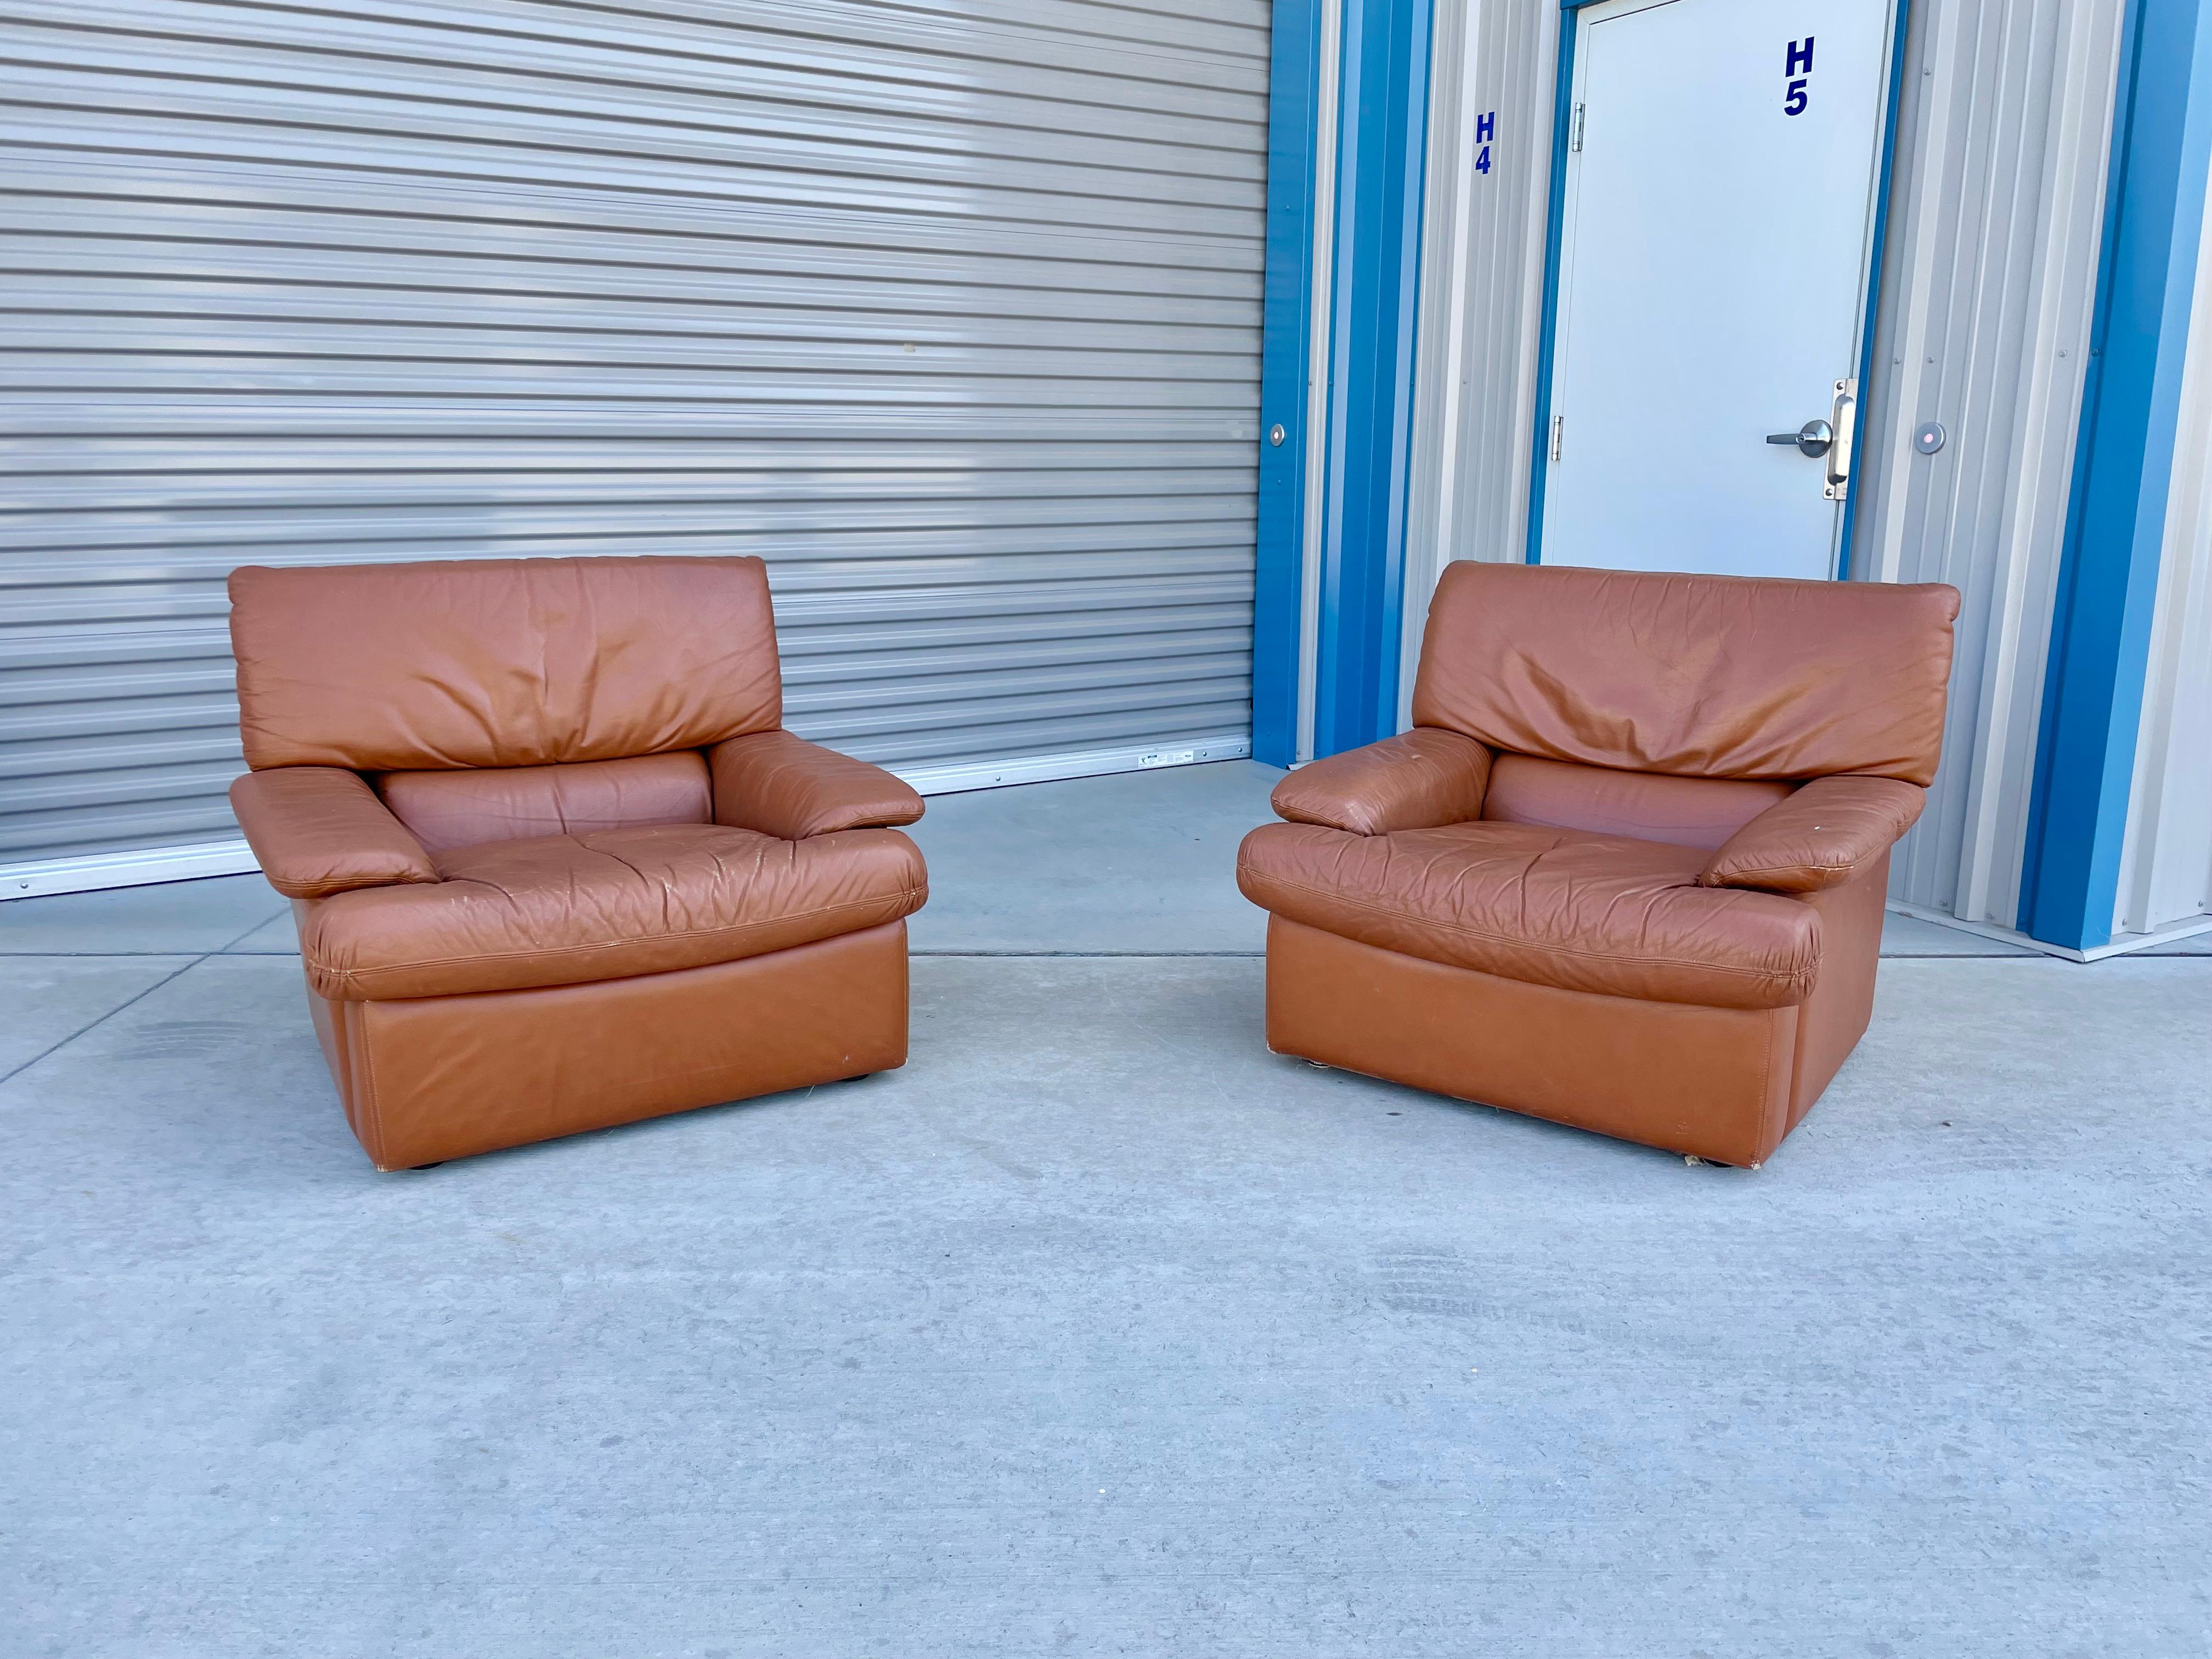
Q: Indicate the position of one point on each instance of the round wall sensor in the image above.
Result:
(1930, 438)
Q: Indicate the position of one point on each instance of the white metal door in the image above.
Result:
(1722, 158)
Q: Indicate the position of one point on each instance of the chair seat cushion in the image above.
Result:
(1567, 908)
(609, 904)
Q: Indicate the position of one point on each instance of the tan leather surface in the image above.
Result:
(500, 662)
(1835, 1017)
(330, 1029)
(1710, 1082)
(1724, 677)
(780, 784)
(1415, 780)
(1554, 906)
(515, 803)
(568, 910)
(1701, 813)
(320, 830)
(442, 1078)
(1823, 836)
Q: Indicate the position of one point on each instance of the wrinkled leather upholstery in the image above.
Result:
(500, 662)
(1415, 780)
(1553, 907)
(1710, 1082)
(515, 803)
(537, 927)
(1659, 741)
(782, 785)
(319, 829)
(1715, 676)
(1835, 1017)
(1723, 1083)
(1822, 836)
(568, 910)
(430, 1079)
(1647, 805)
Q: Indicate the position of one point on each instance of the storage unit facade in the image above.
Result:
(1106, 385)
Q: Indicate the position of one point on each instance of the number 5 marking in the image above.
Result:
(1798, 58)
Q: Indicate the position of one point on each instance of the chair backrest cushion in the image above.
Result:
(1709, 676)
(480, 803)
(500, 662)
(1647, 805)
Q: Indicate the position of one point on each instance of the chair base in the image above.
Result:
(429, 1080)
(1724, 1084)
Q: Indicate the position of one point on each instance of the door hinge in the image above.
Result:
(1558, 435)
(1575, 130)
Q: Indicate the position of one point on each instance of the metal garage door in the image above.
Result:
(951, 309)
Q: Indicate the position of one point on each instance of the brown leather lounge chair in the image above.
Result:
(1627, 871)
(554, 862)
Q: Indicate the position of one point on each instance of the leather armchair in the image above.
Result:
(1627, 870)
(555, 864)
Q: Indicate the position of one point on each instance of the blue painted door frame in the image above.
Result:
(2124, 464)
(1366, 442)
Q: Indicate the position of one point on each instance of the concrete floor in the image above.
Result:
(1097, 1329)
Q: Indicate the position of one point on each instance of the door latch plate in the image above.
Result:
(1845, 419)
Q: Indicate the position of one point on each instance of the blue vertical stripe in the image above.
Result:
(1382, 160)
(1877, 249)
(2124, 466)
(1294, 126)
(1547, 333)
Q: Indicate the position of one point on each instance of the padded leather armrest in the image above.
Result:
(320, 830)
(782, 785)
(1419, 780)
(1822, 836)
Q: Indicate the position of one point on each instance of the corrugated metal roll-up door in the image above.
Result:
(951, 309)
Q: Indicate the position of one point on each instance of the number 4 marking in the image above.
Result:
(1485, 130)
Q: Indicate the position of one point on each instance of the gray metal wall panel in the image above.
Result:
(951, 311)
(1995, 216)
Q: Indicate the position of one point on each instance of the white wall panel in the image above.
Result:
(2165, 866)
(951, 309)
(1481, 294)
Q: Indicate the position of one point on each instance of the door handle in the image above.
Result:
(1812, 439)
(1845, 415)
